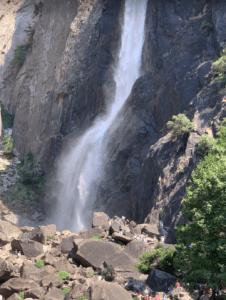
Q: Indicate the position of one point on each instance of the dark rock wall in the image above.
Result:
(147, 172)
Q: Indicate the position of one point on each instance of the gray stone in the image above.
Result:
(160, 281)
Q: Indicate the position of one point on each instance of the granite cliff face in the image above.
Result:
(67, 80)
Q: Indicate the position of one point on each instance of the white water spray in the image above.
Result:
(80, 171)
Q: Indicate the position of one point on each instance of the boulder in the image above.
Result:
(136, 285)
(66, 244)
(100, 219)
(8, 230)
(15, 296)
(38, 235)
(49, 230)
(115, 226)
(181, 293)
(16, 285)
(30, 271)
(121, 237)
(89, 233)
(55, 294)
(47, 270)
(52, 280)
(48, 259)
(160, 281)
(136, 248)
(3, 239)
(149, 229)
(37, 293)
(62, 264)
(79, 289)
(107, 290)
(25, 229)
(6, 268)
(27, 247)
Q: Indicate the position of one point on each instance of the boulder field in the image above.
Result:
(122, 241)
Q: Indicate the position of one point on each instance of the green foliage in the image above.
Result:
(38, 7)
(219, 67)
(90, 273)
(40, 263)
(19, 55)
(5, 166)
(21, 295)
(206, 145)
(49, 238)
(180, 125)
(205, 25)
(205, 209)
(165, 260)
(82, 298)
(119, 245)
(8, 144)
(21, 51)
(63, 274)
(97, 238)
(65, 291)
(7, 120)
(108, 273)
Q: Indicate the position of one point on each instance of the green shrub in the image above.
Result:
(38, 7)
(165, 260)
(90, 273)
(21, 295)
(8, 144)
(180, 125)
(108, 274)
(49, 238)
(7, 120)
(65, 291)
(219, 67)
(82, 298)
(205, 25)
(97, 238)
(40, 263)
(206, 145)
(63, 274)
(19, 55)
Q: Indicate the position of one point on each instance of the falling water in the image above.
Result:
(80, 171)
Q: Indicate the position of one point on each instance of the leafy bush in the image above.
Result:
(7, 120)
(21, 295)
(40, 263)
(97, 238)
(205, 25)
(219, 67)
(165, 260)
(108, 273)
(20, 51)
(8, 144)
(82, 298)
(37, 8)
(49, 238)
(90, 273)
(63, 274)
(20, 55)
(206, 145)
(65, 291)
(180, 125)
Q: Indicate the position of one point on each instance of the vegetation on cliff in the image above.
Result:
(180, 125)
(7, 120)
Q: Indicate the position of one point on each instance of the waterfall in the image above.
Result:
(80, 170)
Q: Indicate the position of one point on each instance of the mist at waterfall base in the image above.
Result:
(79, 171)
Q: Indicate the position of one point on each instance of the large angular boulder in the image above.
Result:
(149, 229)
(120, 237)
(107, 290)
(52, 280)
(48, 259)
(27, 247)
(66, 244)
(6, 268)
(37, 293)
(16, 285)
(55, 294)
(136, 248)
(14, 297)
(49, 230)
(115, 226)
(79, 289)
(100, 219)
(27, 229)
(62, 264)
(30, 271)
(3, 239)
(9, 230)
(47, 270)
(137, 286)
(160, 281)
(37, 234)
(89, 233)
